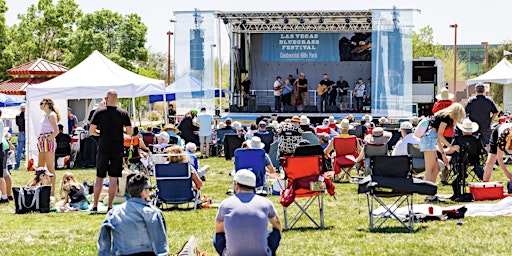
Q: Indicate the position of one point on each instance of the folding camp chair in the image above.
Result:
(418, 158)
(273, 155)
(370, 150)
(232, 142)
(313, 150)
(346, 153)
(174, 185)
(220, 139)
(297, 167)
(391, 178)
(253, 159)
(267, 139)
(311, 137)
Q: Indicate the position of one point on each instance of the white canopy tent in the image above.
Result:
(501, 74)
(92, 78)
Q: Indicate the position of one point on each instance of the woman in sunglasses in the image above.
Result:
(46, 143)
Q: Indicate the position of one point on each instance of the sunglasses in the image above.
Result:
(42, 103)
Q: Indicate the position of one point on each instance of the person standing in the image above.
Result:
(482, 110)
(20, 122)
(242, 221)
(302, 85)
(46, 143)
(72, 121)
(171, 114)
(286, 97)
(205, 122)
(187, 127)
(324, 86)
(278, 87)
(136, 227)
(343, 85)
(109, 158)
(246, 88)
(359, 94)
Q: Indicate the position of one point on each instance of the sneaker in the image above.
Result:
(433, 200)
(201, 157)
(203, 178)
(10, 198)
(4, 201)
(94, 210)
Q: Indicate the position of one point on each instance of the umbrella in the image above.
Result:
(9, 101)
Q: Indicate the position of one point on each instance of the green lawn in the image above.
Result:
(346, 219)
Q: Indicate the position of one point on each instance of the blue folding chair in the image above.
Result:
(253, 159)
(174, 185)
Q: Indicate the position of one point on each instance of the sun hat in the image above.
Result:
(237, 125)
(23, 105)
(42, 170)
(345, 124)
(468, 126)
(164, 135)
(255, 142)
(325, 121)
(383, 120)
(295, 119)
(304, 120)
(367, 118)
(221, 125)
(245, 177)
(406, 125)
(332, 120)
(378, 136)
(444, 94)
(170, 127)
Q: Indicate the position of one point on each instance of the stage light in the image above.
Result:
(267, 21)
(285, 21)
(244, 21)
(301, 20)
(347, 20)
(369, 20)
(226, 21)
(321, 20)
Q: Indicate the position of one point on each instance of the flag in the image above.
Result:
(505, 52)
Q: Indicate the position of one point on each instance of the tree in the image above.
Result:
(155, 66)
(423, 44)
(447, 59)
(120, 38)
(5, 54)
(44, 30)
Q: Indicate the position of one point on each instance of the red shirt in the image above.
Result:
(442, 104)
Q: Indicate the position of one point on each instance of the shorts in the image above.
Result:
(493, 141)
(46, 145)
(343, 98)
(83, 205)
(207, 139)
(429, 141)
(110, 162)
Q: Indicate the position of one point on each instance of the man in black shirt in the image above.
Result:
(20, 122)
(171, 114)
(343, 86)
(109, 158)
(326, 84)
(482, 110)
(246, 87)
(63, 142)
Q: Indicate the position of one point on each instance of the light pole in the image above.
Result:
(486, 55)
(169, 34)
(455, 61)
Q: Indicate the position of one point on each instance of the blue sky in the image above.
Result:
(477, 20)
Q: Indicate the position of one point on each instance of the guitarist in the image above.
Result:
(323, 87)
(278, 88)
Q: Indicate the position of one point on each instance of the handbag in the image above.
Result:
(32, 199)
(422, 128)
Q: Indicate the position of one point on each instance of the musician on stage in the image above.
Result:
(343, 87)
(302, 85)
(286, 96)
(323, 87)
(246, 87)
(278, 88)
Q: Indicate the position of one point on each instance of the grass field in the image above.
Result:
(346, 231)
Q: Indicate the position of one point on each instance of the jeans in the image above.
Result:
(273, 239)
(277, 103)
(359, 103)
(19, 149)
(323, 101)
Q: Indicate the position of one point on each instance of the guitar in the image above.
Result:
(322, 89)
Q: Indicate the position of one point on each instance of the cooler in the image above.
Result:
(486, 190)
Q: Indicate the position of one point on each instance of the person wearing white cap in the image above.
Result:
(20, 122)
(242, 221)
(482, 110)
(407, 138)
(255, 142)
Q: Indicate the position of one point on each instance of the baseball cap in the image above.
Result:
(245, 177)
(262, 123)
(480, 87)
(406, 125)
(163, 135)
(23, 105)
(41, 171)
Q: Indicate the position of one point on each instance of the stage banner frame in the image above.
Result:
(300, 47)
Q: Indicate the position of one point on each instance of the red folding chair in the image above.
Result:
(346, 153)
(305, 168)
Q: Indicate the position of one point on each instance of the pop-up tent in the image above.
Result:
(9, 101)
(501, 74)
(92, 78)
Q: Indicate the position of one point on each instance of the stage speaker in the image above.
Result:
(310, 109)
(332, 109)
(263, 109)
(234, 108)
(251, 104)
(289, 109)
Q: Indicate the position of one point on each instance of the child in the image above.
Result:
(42, 178)
(74, 192)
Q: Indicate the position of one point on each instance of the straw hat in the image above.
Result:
(304, 120)
(468, 126)
(170, 127)
(383, 120)
(295, 119)
(378, 136)
(345, 124)
(444, 94)
(255, 142)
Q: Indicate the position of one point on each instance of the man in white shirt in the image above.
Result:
(407, 138)
(277, 94)
(205, 122)
(359, 90)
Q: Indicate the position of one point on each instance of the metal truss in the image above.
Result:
(300, 21)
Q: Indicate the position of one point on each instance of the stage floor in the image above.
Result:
(316, 118)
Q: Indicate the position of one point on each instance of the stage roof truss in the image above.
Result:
(299, 21)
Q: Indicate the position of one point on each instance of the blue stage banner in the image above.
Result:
(300, 47)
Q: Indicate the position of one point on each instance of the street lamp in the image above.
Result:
(486, 55)
(455, 61)
(169, 34)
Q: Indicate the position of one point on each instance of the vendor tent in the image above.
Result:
(92, 78)
(501, 74)
(9, 101)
